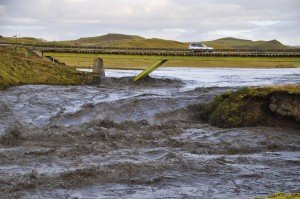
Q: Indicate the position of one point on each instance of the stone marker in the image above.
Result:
(98, 67)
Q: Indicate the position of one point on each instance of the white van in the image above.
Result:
(199, 47)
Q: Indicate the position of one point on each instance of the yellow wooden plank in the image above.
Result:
(148, 70)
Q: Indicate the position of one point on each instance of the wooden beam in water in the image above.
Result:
(148, 70)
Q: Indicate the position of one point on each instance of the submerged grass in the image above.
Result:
(17, 67)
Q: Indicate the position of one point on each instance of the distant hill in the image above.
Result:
(150, 43)
(234, 43)
(22, 39)
(122, 40)
(111, 37)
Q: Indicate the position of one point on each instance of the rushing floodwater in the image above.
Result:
(121, 139)
(219, 77)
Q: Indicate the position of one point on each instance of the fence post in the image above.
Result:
(98, 68)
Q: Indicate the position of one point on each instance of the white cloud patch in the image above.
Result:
(23, 21)
(176, 30)
(82, 21)
(264, 23)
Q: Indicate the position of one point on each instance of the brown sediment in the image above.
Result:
(13, 137)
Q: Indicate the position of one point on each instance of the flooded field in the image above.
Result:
(121, 139)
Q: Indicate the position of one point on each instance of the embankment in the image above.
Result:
(19, 67)
(269, 106)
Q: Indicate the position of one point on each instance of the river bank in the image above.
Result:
(268, 106)
(19, 66)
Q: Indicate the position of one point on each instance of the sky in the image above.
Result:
(181, 20)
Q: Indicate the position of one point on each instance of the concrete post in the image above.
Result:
(98, 67)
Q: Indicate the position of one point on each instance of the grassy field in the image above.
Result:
(141, 62)
(20, 67)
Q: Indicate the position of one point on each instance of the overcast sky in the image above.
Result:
(183, 20)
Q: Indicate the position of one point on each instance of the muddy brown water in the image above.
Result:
(125, 140)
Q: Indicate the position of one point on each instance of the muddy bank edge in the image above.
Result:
(277, 106)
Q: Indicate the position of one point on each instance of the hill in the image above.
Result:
(22, 39)
(108, 38)
(234, 43)
(120, 40)
(150, 43)
(133, 41)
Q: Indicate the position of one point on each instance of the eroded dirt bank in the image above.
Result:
(276, 106)
(145, 140)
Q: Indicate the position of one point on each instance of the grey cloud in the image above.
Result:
(185, 20)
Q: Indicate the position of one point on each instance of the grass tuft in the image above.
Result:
(16, 69)
(282, 196)
(251, 107)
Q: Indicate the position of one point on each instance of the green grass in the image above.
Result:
(246, 107)
(142, 62)
(282, 196)
(17, 69)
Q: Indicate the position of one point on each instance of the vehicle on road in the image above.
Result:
(199, 47)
